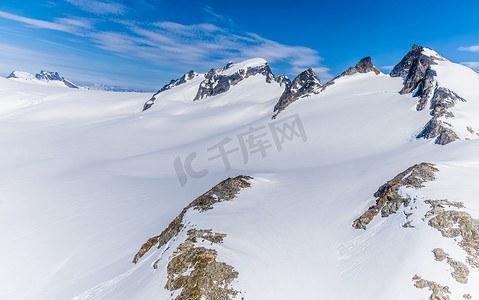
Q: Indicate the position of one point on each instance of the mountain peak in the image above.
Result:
(218, 81)
(363, 66)
(21, 75)
(43, 76)
(304, 84)
(54, 76)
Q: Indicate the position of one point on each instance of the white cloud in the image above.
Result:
(72, 25)
(182, 47)
(474, 48)
(35, 22)
(386, 68)
(99, 7)
(471, 64)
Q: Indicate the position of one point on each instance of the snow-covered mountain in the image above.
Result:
(239, 184)
(44, 77)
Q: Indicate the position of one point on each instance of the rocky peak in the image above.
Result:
(218, 81)
(21, 75)
(174, 82)
(403, 67)
(303, 85)
(46, 75)
(54, 76)
(415, 66)
(228, 65)
(283, 80)
(363, 66)
(420, 77)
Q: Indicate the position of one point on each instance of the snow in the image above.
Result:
(254, 62)
(429, 52)
(24, 77)
(88, 178)
(465, 82)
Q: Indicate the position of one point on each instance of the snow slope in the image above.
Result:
(89, 178)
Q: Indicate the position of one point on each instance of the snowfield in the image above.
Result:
(87, 177)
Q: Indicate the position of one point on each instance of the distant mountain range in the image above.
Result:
(54, 79)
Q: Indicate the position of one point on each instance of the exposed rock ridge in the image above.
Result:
(54, 76)
(438, 291)
(303, 85)
(365, 65)
(421, 78)
(223, 191)
(194, 272)
(306, 83)
(388, 200)
(173, 83)
(455, 223)
(459, 269)
(216, 82)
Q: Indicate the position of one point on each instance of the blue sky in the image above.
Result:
(145, 43)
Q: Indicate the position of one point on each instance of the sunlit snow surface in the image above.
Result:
(86, 178)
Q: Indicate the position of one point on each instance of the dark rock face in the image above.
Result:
(216, 83)
(54, 76)
(45, 75)
(426, 88)
(304, 84)
(435, 128)
(419, 76)
(12, 75)
(416, 74)
(414, 66)
(283, 80)
(363, 66)
(174, 82)
(388, 200)
(441, 101)
(444, 99)
(404, 66)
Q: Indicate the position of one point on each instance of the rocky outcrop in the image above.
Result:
(54, 76)
(438, 291)
(173, 83)
(44, 76)
(388, 200)
(454, 224)
(363, 66)
(438, 129)
(303, 85)
(409, 62)
(216, 82)
(223, 191)
(460, 272)
(419, 76)
(442, 100)
(283, 80)
(194, 271)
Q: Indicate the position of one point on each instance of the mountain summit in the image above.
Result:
(43, 77)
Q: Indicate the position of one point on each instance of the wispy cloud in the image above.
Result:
(35, 22)
(474, 48)
(181, 47)
(218, 17)
(471, 64)
(99, 7)
(386, 68)
(72, 25)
